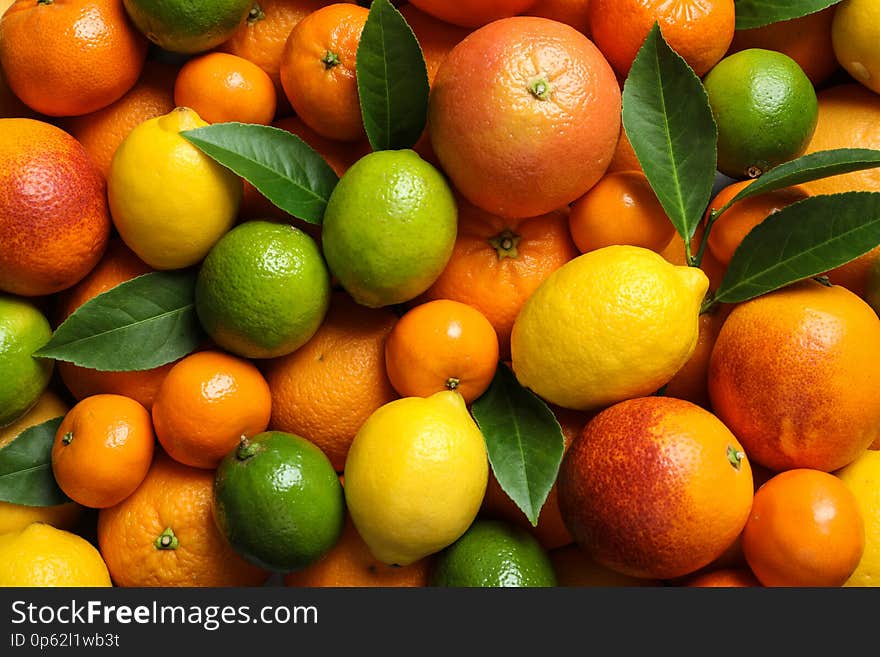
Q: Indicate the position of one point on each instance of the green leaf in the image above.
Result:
(668, 120)
(755, 13)
(523, 438)
(26, 467)
(137, 325)
(803, 239)
(283, 168)
(392, 80)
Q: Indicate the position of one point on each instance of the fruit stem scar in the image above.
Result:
(45, 2)
(754, 171)
(540, 87)
(505, 244)
(167, 540)
(68, 438)
(330, 59)
(452, 383)
(256, 14)
(735, 457)
(245, 450)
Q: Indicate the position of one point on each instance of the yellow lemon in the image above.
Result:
(610, 325)
(41, 555)
(169, 201)
(415, 476)
(855, 32)
(862, 477)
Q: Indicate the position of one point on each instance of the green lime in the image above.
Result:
(494, 553)
(263, 289)
(766, 110)
(278, 501)
(389, 227)
(23, 330)
(185, 26)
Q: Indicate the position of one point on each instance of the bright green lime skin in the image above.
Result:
(187, 26)
(278, 501)
(23, 378)
(263, 289)
(493, 554)
(389, 227)
(766, 110)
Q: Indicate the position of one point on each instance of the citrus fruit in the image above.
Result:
(164, 533)
(278, 501)
(51, 195)
(765, 108)
(493, 553)
(472, 13)
(792, 374)
(571, 12)
(415, 476)
(698, 30)
(389, 227)
(854, 33)
(533, 135)
(862, 478)
(687, 494)
(23, 378)
(805, 529)
(441, 345)
(574, 567)
(70, 58)
(262, 290)
(102, 450)
(41, 555)
(187, 27)
(327, 388)
(172, 217)
(436, 37)
(724, 578)
(612, 324)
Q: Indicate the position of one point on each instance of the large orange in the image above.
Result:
(655, 487)
(571, 12)
(164, 534)
(497, 263)
(524, 116)
(327, 388)
(54, 219)
(793, 374)
(699, 30)
(70, 57)
(472, 13)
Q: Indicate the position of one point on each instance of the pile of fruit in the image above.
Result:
(472, 294)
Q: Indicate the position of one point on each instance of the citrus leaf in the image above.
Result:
(139, 324)
(756, 13)
(801, 240)
(523, 438)
(26, 467)
(668, 120)
(282, 167)
(392, 80)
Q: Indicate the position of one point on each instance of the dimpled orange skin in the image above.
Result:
(794, 375)
(472, 13)
(524, 116)
(648, 489)
(724, 578)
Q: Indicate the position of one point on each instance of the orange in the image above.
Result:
(531, 135)
(655, 487)
(624, 158)
(54, 219)
(442, 345)
(724, 578)
(327, 388)
(221, 87)
(691, 382)
(206, 403)
(620, 209)
(118, 265)
(70, 57)
(570, 12)
(11, 106)
(574, 567)
(436, 37)
(699, 30)
(318, 70)
(472, 13)
(793, 374)
(102, 450)
(807, 40)
(164, 534)
(497, 263)
(805, 529)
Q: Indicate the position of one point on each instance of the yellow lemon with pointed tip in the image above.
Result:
(855, 31)
(610, 325)
(41, 555)
(862, 477)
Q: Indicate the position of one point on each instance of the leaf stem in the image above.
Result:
(708, 304)
(704, 241)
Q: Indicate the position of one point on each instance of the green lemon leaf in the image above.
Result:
(804, 239)
(392, 80)
(282, 167)
(668, 120)
(523, 438)
(26, 467)
(756, 13)
(139, 324)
